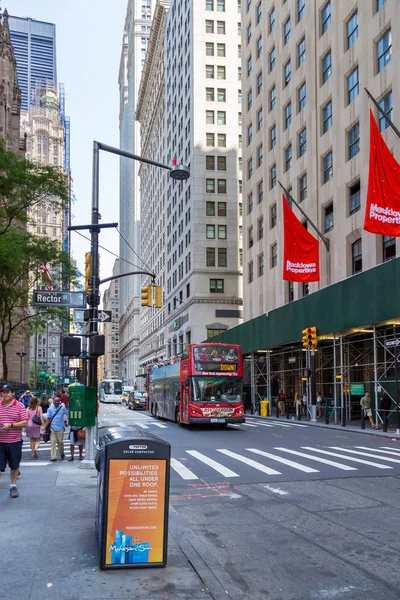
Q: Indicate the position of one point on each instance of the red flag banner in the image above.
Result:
(382, 212)
(301, 249)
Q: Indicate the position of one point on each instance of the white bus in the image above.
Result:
(110, 390)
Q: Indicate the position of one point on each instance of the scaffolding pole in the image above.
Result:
(334, 380)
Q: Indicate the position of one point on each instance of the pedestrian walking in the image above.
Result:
(76, 439)
(297, 404)
(44, 403)
(319, 405)
(25, 397)
(64, 398)
(13, 418)
(35, 422)
(55, 418)
(281, 402)
(385, 403)
(304, 400)
(366, 405)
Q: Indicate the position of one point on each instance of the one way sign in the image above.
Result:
(104, 316)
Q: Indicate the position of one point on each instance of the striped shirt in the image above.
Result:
(14, 413)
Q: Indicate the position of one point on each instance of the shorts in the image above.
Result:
(368, 412)
(11, 454)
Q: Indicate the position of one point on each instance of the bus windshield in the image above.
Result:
(113, 387)
(217, 389)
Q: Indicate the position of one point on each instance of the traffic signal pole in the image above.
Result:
(313, 386)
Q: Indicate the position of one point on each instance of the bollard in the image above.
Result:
(326, 413)
(384, 421)
(362, 418)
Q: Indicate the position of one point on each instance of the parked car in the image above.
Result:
(136, 400)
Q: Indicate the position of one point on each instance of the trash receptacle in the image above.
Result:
(264, 408)
(132, 498)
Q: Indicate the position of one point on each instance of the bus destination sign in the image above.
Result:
(216, 359)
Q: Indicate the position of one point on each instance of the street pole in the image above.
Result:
(396, 373)
(21, 356)
(313, 387)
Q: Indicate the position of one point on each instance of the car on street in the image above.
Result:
(136, 400)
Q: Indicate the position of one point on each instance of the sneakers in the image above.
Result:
(14, 493)
(62, 456)
(71, 459)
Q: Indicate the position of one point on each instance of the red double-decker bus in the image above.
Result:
(205, 386)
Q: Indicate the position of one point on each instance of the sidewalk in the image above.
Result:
(48, 544)
(354, 426)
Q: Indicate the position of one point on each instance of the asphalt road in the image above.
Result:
(285, 511)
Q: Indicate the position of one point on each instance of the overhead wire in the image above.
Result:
(110, 252)
(128, 244)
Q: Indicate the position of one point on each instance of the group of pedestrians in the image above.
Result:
(40, 418)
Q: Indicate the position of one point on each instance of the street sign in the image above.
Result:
(395, 342)
(79, 316)
(292, 359)
(104, 316)
(59, 298)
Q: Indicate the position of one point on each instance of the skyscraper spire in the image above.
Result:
(5, 34)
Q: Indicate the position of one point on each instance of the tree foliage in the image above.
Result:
(25, 185)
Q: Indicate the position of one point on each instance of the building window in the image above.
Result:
(210, 257)
(261, 265)
(249, 65)
(352, 85)
(302, 141)
(221, 5)
(210, 71)
(287, 71)
(222, 257)
(272, 98)
(259, 119)
(271, 59)
(249, 33)
(209, 4)
(302, 96)
(305, 289)
(379, 4)
(221, 186)
(221, 72)
(209, 49)
(301, 5)
(249, 134)
(222, 140)
(288, 157)
(259, 46)
(325, 17)
(251, 272)
(210, 94)
(327, 166)
(389, 247)
(250, 203)
(328, 217)
(251, 238)
(326, 66)
(221, 27)
(249, 168)
(274, 255)
(222, 232)
(354, 198)
(221, 209)
(272, 20)
(209, 26)
(384, 49)
(272, 137)
(260, 229)
(210, 209)
(259, 11)
(287, 28)
(210, 232)
(288, 115)
(303, 187)
(259, 82)
(249, 99)
(356, 255)
(290, 287)
(221, 163)
(272, 177)
(327, 116)
(210, 139)
(352, 29)
(221, 117)
(260, 155)
(210, 186)
(210, 163)
(221, 51)
(221, 95)
(387, 106)
(210, 117)
(216, 286)
(353, 136)
(260, 191)
(272, 216)
(301, 51)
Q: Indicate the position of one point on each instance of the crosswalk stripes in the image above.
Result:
(318, 459)
(394, 452)
(212, 463)
(394, 460)
(387, 448)
(277, 423)
(349, 458)
(284, 461)
(250, 462)
(183, 471)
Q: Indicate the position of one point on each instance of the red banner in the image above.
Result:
(301, 249)
(382, 212)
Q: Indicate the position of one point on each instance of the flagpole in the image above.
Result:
(391, 124)
(291, 199)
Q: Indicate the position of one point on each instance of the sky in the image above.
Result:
(88, 45)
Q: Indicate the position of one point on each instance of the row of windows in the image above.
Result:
(218, 5)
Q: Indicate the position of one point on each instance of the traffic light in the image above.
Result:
(146, 295)
(309, 338)
(88, 270)
(158, 295)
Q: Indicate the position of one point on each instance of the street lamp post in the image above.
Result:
(178, 172)
(21, 356)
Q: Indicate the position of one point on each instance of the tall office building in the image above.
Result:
(199, 219)
(35, 51)
(306, 125)
(135, 39)
(110, 330)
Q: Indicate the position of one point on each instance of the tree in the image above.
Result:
(21, 255)
(25, 185)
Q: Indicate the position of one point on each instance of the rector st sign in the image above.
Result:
(59, 298)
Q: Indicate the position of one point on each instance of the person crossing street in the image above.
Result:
(13, 417)
(55, 418)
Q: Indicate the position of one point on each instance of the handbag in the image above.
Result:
(47, 431)
(36, 419)
(81, 434)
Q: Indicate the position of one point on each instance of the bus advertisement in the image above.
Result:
(110, 390)
(205, 386)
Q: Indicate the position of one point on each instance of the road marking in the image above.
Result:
(158, 425)
(250, 463)
(276, 490)
(289, 424)
(358, 460)
(376, 450)
(122, 424)
(261, 424)
(37, 463)
(183, 471)
(141, 425)
(391, 449)
(395, 460)
(318, 459)
(212, 463)
(285, 461)
(248, 425)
